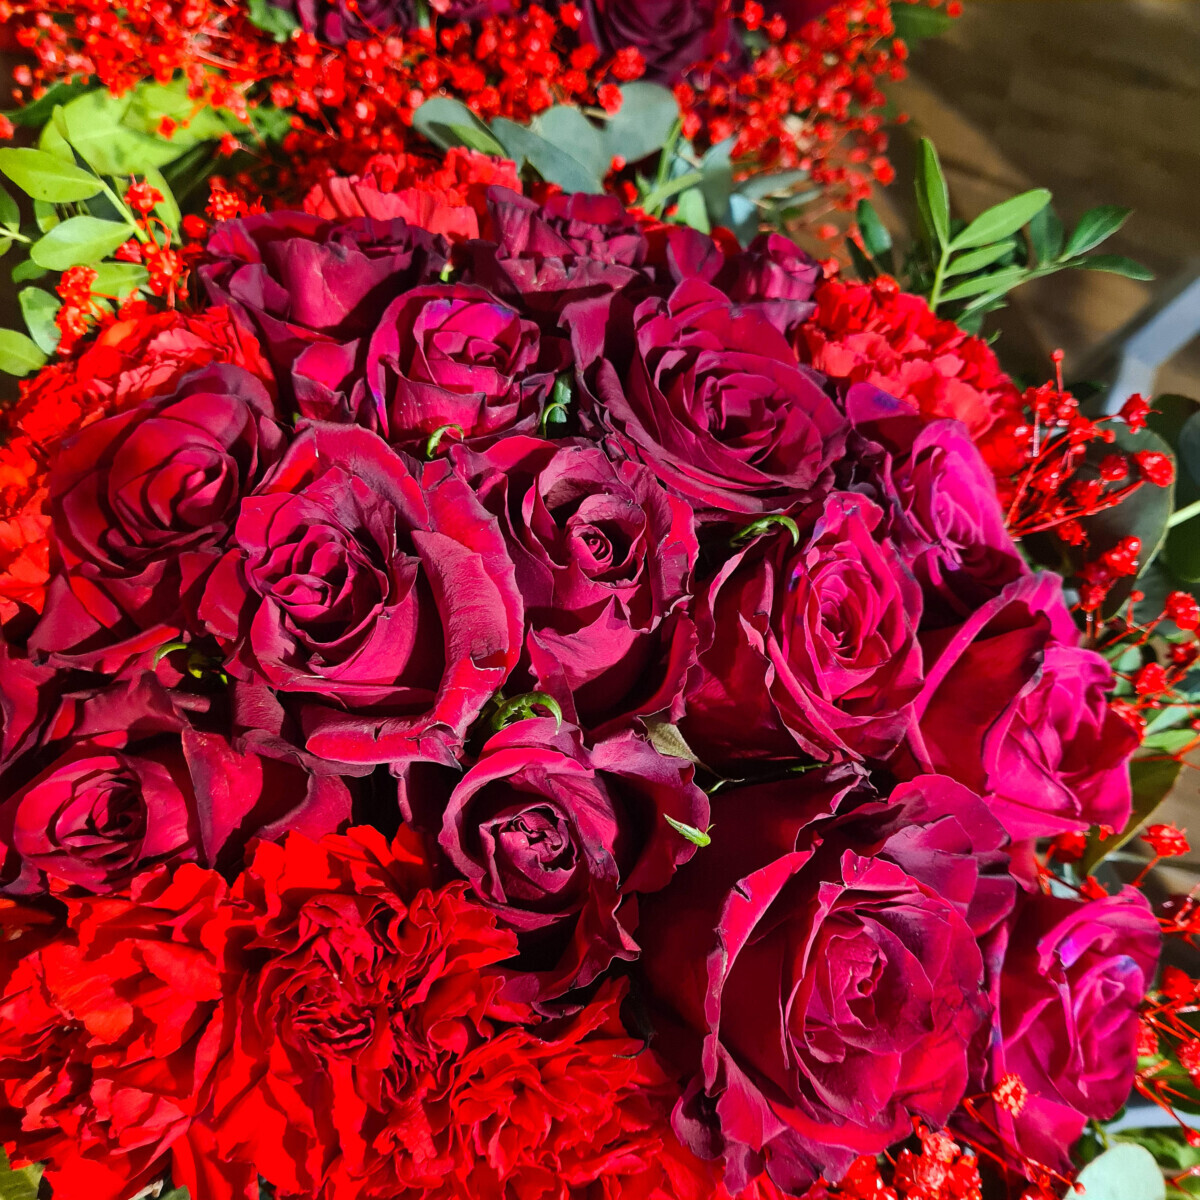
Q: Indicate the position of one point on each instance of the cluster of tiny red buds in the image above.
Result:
(940, 1170)
(79, 310)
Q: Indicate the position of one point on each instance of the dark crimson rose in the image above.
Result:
(604, 560)
(1074, 979)
(555, 837)
(313, 291)
(1013, 707)
(143, 501)
(544, 256)
(377, 592)
(710, 397)
(453, 355)
(98, 814)
(672, 35)
(810, 650)
(340, 21)
(772, 275)
(27, 699)
(842, 989)
(951, 529)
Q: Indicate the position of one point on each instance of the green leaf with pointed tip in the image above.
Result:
(933, 196)
(1094, 227)
(1114, 264)
(22, 1184)
(45, 177)
(1046, 234)
(119, 279)
(976, 260)
(875, 238)
(997, 281)
(79, 241)
(38, 308)
(10, 214)
(1002, 220)
(19, 355)
(696, 836)
(27, 270)
(690, 210)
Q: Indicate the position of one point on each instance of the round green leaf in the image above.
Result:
(18, 355)
(447, 122)
(642, 124)
(552, 164)
(570, 130)
(45, 177)
(1126, 1172)
(94, 127)
(79, 240)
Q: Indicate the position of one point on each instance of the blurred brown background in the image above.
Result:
(1098, 100)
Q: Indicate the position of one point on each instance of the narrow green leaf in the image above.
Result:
(864, 268)
(778, 183)
(1005, 278)
(45, 177)
(18, 354)
(10, 214)
(168, 210)
(35, 115)
(696, 836)
(976, 260)
(1094, 227)
(933, 196)
(875, 237)
(1002, 220)
(38, 308)
(1046, 234)
(78, 241)
(1114, 264)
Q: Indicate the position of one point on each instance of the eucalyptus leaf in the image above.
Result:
(1125, 1172)
(78, 241)
(10, 214)
(567, 128)
(933, 196)
(19, 355)
(1002, 280)
(691, 210)
(553, 164)
(1002, 220)
(1046, 233)
(1096, 225)
(38, 308)
(447, 122)
(643, 123)
(757, 187)
(716, 167)
(45, 177)
(1114, 264)
(976, 260)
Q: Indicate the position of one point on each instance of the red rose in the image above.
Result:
(604, 558)
(557, 838)
(842, 988)
(375, 594)
(709, 396)
(143, 502)
(811, 650)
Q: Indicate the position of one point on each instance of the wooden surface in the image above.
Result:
(1098, 100)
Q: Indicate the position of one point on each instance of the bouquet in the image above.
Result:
(508, 694)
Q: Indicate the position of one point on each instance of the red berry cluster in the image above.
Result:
(350, 102)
